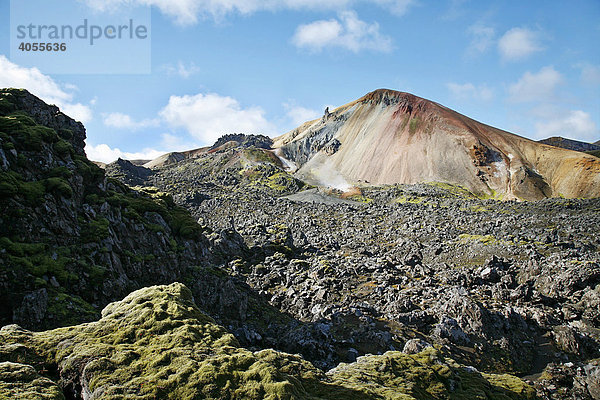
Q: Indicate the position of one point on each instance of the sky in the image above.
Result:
(266, 66)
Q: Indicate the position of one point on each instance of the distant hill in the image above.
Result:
(570, 144)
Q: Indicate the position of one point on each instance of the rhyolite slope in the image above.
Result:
(389, 137)
(156, 343)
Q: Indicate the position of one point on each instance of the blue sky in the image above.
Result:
(224, 66)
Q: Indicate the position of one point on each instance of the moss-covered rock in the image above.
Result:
(157, 344)
(20, 381)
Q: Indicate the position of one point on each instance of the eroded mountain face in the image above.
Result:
(390, 270)
(389, 137)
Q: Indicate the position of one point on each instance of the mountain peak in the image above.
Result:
(392, 137)
(44, 114)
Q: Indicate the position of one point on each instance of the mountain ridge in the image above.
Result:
(570, 144)
(389, 137)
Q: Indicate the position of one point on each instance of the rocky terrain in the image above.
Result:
(423, 291)
(504, 286)
(156, 344)
(570, 144)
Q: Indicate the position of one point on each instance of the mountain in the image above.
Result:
(389, 137)
(225, 142)
(570, 144)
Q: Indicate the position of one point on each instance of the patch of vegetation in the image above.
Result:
(63, 148)
(12, 184)
(157, 344)
(485, 239)
(261, 155)
(70, 310)
(453, 189)
(91, 173)
(404, 199)
(60, 172)
(58, 186)
(35, 259)
(95, 230)
(183, 224)
(414, 125)
(24, 133)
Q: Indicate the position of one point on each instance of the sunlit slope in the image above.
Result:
(391, 137)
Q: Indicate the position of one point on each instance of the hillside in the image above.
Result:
(389, 137)
(570, 144)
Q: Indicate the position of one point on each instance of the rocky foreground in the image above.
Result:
(157, 344)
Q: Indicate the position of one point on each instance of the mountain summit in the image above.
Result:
(389, 137)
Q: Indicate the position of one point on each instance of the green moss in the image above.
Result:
(360, 199)
(260, 155)
(95, 230)
(9, 186)
(183, 224)
(487, 239)
(94, 199)
(12, 184)
(157, 344)
(414, 125)
(453, 189)
(60, 172)
(63, 148)
(90, 172)
(154, 227)
(20, 381)
(96, 274)
(69, 310)
(33, 192)
(281, 182)
(59, 187)
(404, 199)
(25, 133)
(6, 105)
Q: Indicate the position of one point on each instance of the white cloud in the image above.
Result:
(209, 116)
(575, 124)
(482, 38)
(124, 121)
(43, 87)
(299, 115)
(168, 143)
(470, 91)
(186, 12)
(347, 32)
(398, 7)
(518, 43)
(181, 69)
(104, 153)
(536, 86)
(590, 74)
